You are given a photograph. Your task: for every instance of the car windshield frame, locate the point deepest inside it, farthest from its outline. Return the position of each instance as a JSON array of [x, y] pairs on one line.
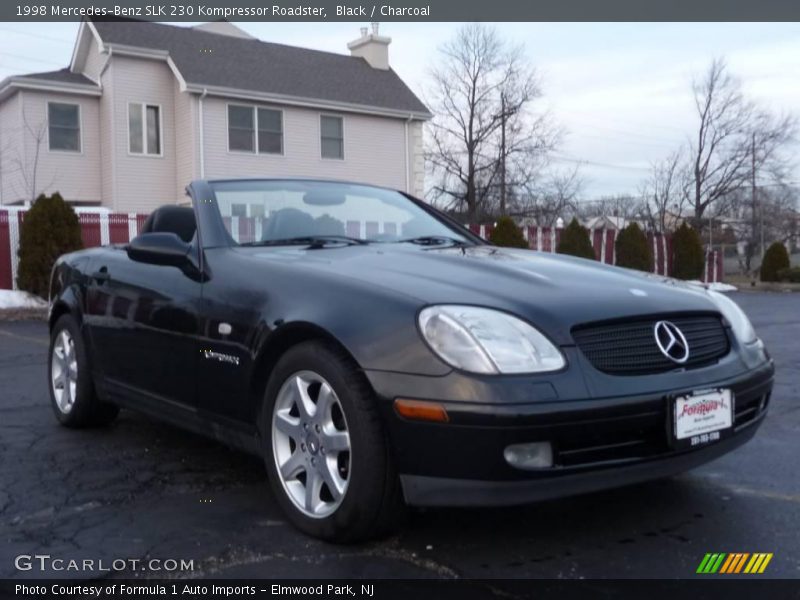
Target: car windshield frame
[[451, 233]]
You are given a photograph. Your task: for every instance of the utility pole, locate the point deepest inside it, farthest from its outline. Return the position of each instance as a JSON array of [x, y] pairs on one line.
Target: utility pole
[[503, 117], [753, 188]]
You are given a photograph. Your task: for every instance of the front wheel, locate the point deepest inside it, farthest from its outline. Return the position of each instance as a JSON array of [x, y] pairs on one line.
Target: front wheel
[[72, 392], [326, 453]]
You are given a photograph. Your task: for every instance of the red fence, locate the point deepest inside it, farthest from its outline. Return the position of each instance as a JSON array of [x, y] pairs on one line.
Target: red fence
[[546, 239], [99, 228]]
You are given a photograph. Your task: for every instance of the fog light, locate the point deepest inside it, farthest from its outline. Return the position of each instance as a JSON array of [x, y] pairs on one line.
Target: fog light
[[537, 455]]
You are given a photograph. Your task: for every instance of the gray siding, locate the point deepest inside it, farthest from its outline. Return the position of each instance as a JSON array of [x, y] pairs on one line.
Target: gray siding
[[107, 130], [10, 140], [94, 61], [186, 139], [76, 175], [142, 182], [379, 150], [416, 159], [374, 148]]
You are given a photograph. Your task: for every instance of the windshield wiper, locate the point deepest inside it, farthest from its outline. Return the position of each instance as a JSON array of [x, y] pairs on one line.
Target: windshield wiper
[[315, 241], [435, 240]]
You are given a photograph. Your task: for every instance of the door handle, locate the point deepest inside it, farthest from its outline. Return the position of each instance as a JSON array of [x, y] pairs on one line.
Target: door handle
[[101, 276]]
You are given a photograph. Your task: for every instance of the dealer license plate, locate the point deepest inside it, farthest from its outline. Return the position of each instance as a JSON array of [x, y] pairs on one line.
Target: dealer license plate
[[702, 417]]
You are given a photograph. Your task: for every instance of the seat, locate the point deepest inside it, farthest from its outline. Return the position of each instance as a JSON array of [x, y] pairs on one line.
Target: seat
[[172, 219]]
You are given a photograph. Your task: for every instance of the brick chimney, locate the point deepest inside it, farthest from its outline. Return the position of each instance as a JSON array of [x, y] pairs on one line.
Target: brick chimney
[[372, 47]]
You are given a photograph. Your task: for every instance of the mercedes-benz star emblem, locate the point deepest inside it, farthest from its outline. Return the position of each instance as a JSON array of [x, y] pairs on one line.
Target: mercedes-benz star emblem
[[671, 341]]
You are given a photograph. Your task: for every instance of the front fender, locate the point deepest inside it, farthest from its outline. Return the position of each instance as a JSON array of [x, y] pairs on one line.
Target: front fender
[[68, 281]]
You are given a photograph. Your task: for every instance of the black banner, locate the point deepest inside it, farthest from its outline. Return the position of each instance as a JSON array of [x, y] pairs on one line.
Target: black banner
[[732, 588], [404, 10]]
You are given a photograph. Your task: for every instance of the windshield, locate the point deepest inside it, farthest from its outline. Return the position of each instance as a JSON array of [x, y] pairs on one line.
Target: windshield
[[271, 211]]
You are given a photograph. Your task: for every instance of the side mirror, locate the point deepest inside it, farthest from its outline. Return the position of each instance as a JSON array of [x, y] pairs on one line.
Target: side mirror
[[159, 249]]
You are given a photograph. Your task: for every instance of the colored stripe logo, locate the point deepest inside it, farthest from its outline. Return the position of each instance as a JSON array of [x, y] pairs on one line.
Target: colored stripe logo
[[735, 562]]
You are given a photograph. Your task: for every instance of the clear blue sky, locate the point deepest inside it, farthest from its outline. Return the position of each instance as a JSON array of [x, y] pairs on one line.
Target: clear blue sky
[[621, 91]]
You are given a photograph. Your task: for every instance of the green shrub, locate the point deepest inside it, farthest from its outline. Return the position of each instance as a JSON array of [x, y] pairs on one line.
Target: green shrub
[[507, 234], [687, 254], [49, 229], [790, 275], [633, 251], [575, 241], [328, 225], [776, 258]]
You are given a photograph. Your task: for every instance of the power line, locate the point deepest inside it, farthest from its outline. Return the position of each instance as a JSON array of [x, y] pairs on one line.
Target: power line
[[579, 161], [29, 59], [649, 124], [627, 133], [622, 141], [37, 35]]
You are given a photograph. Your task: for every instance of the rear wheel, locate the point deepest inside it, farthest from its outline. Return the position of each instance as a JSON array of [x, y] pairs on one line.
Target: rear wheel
[[72, 392], [325, 450]]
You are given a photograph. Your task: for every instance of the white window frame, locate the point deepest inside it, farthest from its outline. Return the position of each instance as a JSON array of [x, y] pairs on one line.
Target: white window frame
[[144, 152], [254, 108], [319, 136], [80, 129]]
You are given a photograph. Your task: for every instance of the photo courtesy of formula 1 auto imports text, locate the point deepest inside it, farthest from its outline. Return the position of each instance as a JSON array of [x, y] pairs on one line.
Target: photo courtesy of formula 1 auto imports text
[[427, 299]]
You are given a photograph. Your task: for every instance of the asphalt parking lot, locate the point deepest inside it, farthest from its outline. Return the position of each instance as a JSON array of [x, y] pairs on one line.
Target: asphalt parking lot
[[142, 489]]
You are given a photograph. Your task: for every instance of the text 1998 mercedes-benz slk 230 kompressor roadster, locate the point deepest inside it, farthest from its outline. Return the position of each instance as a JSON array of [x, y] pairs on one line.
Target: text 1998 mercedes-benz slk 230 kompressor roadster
[[379, 355]]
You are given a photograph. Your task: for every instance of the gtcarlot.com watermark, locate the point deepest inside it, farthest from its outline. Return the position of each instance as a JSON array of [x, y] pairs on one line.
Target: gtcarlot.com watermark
[[45, 563]]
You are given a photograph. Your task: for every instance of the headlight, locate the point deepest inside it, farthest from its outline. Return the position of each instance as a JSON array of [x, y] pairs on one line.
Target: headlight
[[740, 324], [481, 340]]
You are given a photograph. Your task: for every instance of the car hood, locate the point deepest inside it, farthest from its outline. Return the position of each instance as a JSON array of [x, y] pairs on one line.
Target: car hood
[[554, 292]]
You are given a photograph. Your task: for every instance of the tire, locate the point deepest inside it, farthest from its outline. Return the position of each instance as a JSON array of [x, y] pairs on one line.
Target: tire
[[369, 502], [72, 394]]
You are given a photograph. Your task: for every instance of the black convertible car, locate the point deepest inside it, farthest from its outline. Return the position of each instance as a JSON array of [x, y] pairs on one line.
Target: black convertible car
[[377, 354]]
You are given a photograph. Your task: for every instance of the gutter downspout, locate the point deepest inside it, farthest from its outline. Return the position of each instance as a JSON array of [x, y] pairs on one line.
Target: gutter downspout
[[202, 142], [113, 126], [104, 67], [408, 153]]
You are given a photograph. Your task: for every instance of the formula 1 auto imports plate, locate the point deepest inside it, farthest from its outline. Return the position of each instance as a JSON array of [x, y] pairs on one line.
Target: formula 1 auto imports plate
[[702, 416]]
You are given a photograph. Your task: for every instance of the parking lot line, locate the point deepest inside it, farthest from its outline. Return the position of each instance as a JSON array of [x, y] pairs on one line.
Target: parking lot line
[[27, 338]]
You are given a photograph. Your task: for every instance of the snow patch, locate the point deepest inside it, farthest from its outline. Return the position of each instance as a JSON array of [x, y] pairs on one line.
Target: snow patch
[[722, 287], [716, 286], [16, 299]]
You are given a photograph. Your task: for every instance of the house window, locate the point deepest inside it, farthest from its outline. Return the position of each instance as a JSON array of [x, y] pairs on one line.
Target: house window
[[144, 129], [270, 131], [239, 210], [331, 137], [252, 129], [64, 126], [241, 128]]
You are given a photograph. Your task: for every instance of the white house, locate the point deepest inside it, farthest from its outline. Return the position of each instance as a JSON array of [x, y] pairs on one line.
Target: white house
[[144, 108]]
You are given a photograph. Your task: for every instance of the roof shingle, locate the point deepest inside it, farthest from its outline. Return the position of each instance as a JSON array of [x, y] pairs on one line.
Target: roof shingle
[[210, 59]]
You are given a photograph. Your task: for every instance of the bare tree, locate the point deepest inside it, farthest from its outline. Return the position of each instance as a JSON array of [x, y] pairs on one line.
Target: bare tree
[[483, 126], [665, 191], [24, 165], [734, 138], [775, 221], [623, 207], [551, 195]]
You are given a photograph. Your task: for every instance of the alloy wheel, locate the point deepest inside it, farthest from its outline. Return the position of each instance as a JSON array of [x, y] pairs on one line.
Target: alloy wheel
[[64, 371], [311, 444]]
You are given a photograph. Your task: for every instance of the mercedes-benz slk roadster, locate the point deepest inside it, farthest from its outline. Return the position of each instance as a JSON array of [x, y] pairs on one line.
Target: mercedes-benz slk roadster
[[378, 355]]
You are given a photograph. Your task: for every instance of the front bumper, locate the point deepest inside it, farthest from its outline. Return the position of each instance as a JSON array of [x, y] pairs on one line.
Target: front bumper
[[598, 443]]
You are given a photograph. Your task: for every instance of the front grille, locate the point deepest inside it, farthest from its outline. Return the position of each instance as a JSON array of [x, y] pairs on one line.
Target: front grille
[[629, 347]]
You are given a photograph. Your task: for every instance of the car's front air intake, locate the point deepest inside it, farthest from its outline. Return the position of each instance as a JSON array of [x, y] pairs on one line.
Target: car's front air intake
[[631, 347]]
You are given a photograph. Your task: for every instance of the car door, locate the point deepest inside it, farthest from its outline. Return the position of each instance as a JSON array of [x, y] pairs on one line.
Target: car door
[[232, 326], [142, 321]]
